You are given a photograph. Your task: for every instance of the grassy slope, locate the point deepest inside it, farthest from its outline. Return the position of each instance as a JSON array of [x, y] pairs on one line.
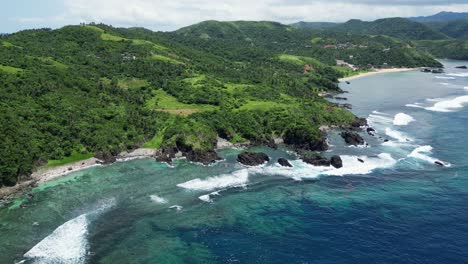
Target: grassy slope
[[9, 69], [70, 159]]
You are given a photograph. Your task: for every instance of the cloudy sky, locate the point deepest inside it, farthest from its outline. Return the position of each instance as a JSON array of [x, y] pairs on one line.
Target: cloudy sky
[[172, 14]]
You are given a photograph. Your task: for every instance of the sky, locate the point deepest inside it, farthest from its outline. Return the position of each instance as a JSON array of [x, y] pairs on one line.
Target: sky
[[167, 15]]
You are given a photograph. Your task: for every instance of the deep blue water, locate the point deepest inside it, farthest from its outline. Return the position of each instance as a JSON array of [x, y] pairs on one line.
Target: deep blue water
[[394, 208]]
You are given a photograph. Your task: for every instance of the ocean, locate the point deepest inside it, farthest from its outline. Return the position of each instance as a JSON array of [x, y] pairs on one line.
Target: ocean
[[396, 207]]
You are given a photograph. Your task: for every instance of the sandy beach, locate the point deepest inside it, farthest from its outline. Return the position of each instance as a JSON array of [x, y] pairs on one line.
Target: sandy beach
[[377, 71]]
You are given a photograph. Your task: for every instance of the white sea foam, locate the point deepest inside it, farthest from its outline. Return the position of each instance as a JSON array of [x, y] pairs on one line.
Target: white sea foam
[[236, 179], [414, 105], [397, 135], [67, 244], [379, 113], [445, 84], [466, 87], [205, 198], [377, 118], [423, 153], [158, 199], [445, 77], [176, 207], [458, 74], [449, 105], [351, 166], [402, 119]]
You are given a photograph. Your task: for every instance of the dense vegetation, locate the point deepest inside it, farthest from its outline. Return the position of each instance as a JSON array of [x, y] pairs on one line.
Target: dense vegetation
[[79, 91]]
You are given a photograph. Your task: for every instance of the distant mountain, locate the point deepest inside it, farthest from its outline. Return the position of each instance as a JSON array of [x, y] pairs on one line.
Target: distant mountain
[[395, 27], [440, 17], [231, 29], [456, 29], [314, 25]]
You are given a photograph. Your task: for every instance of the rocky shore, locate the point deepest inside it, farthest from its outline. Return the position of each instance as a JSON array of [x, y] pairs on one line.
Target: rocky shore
[[300, 143]]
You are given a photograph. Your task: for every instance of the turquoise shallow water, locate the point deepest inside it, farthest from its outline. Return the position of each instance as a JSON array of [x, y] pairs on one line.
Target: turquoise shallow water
[[394, 208]]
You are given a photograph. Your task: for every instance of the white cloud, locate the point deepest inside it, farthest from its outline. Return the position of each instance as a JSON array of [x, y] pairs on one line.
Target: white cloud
[[172, 14]]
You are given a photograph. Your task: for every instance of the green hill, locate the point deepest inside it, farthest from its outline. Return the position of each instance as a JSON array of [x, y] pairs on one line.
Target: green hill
[[314, 25], [79, 91], [401, 28], [456, 29]]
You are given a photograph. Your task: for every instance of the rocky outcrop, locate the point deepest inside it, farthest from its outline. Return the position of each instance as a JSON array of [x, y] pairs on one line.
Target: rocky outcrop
[[336, 161], [252, 158], [359, 122], [284, 162], [370, 131], [360, 160], [340, 98], [317, 160], [439, 163], [166, 154], [105, 158], [266, 142], [205, 157], [462, 67], [352, 138]]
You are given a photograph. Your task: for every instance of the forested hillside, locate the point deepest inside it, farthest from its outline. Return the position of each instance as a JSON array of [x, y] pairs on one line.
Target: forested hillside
[[401, 28], [87, 90]]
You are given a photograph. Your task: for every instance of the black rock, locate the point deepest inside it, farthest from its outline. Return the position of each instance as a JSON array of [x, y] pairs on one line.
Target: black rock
[[360, 122], [347, 82], [438, 71], [284, 162], [360, 160], [352, 138], [252, 158], [106, 157], [205, 157], [440, 163], [347, 106], [166, 154], [370, 131], [316, 160], [462, 67], [386, 140], [341, 98], [336, 161]]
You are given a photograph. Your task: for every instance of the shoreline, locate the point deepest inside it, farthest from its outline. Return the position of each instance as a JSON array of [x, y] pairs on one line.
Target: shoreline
[[378, 71], [45, 174]]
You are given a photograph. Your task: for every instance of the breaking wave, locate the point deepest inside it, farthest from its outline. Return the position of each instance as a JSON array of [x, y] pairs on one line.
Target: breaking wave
[[158, 199], [402, 119], [68, 244], [445, 78], [458, 74], [423, 152], [397, 135], [236, 179], [351, 166]]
